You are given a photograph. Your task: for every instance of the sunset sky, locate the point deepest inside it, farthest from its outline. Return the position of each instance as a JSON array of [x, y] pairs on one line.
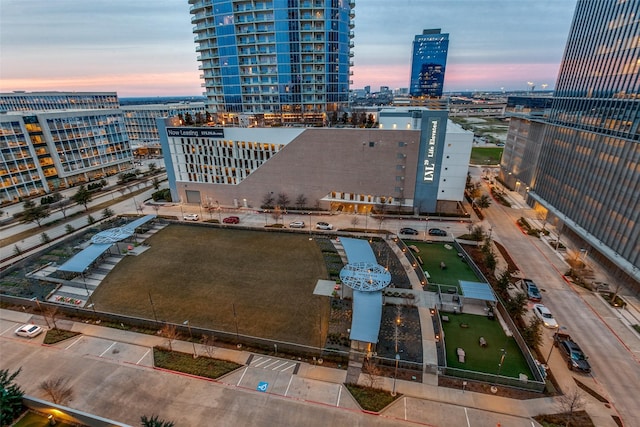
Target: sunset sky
[[146, 48]]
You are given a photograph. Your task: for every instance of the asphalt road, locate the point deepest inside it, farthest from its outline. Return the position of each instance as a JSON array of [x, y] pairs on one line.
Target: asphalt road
[[616, 371]]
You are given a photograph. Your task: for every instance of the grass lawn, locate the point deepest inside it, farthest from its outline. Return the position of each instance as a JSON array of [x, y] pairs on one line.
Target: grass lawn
[[199, 274], [433, 253], [202, 366], [486, 155], [482, 359]]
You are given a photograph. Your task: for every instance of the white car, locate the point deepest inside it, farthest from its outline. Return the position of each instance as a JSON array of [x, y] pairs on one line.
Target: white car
[[29, 330], [324, 226], [297, 224], [191, 217], [545, 315]]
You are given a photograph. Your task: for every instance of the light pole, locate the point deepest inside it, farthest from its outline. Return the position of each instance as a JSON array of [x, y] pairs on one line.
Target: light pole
[[395, 376], [219, 212], [195, 354], [153, 308], [504, 353], [561, 328]]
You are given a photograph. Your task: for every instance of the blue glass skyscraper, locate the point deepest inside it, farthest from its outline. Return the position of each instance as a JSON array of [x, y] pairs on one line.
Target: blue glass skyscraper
[[582, 159], [428, 64], [288, 59]]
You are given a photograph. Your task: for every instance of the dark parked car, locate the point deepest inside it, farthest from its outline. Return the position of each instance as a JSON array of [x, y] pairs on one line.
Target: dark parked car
[[533, 293], [571, 352], [231, 220], [407, 230], [437, 232]]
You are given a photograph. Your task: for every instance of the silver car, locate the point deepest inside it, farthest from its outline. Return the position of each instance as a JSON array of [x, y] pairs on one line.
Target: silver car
[[324, 226]]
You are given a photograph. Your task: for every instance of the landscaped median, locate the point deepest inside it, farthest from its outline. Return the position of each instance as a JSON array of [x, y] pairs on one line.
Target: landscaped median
[[202, 366]]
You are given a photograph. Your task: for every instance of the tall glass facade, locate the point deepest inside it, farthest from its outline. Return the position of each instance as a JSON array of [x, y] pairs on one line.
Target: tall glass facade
[[428, 64], [274, 57], [589, 166]]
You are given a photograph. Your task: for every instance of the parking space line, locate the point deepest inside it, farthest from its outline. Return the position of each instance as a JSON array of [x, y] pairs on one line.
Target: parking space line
[[271, 364], [73, 343], [467, 415], [242, 376], [143, 356], [9, 328], [280, 366], [288, 385], [108, 348], [293, 365], [263, 362], [339, 394]]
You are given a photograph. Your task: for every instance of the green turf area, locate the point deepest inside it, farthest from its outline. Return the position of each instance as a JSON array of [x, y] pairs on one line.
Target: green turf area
[[486, 155], [199, 274], [433, 253], [482, 359]]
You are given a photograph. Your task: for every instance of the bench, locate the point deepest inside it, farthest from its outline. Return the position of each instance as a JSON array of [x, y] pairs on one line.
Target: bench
[[482, 342], [461, 354]]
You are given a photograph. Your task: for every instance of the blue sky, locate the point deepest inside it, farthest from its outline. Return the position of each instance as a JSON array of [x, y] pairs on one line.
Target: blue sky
[[146, 48]]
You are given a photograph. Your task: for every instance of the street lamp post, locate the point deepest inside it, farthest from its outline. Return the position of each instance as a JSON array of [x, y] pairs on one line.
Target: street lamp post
[[219, 212], [153, 308], [195, 354], [561, 328], [395, 375], [504, 353]]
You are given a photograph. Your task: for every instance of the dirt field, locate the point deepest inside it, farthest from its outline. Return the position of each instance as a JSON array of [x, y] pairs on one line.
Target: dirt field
[[200, 274]]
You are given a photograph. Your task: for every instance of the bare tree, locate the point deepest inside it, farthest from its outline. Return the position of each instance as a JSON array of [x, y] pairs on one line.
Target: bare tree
[[58, 389], [50, 313], [283, 201], [267, 201], [372, 374], [276, 214], [64, 205], [170, 333], [570, 403], [355, 220], [208, 342], [301, 201]]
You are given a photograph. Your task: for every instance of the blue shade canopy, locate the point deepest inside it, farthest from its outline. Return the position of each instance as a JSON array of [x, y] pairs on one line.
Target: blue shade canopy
[[358, 250], [117, 234], [367, 313], [100, 243], [364, 276], [477, 290], [83, 259], [367, 278]]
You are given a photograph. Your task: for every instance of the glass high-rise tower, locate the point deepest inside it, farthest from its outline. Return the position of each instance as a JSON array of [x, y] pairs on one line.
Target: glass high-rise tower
[[428, 63], [588, 171], [281, 60]]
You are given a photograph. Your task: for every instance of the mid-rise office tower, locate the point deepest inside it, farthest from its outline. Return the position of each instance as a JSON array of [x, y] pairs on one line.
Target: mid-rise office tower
[[428, 63], [276, 60], [587, 172]]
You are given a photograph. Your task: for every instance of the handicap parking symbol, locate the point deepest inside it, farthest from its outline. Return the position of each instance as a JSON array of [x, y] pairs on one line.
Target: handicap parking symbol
[[262, 386]]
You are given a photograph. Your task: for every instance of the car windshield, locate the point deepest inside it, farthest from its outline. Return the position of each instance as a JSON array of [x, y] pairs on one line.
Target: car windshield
[[577, 355], [33, 328], [547, 315]]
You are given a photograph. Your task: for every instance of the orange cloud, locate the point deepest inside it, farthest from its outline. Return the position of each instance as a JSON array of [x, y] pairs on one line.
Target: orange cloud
[[184, 83]]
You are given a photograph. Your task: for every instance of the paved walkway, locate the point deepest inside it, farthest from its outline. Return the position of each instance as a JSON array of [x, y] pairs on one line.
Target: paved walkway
[[501, 408]]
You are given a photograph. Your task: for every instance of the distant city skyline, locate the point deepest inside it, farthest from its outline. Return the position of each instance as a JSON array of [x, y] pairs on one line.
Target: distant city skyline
[[145, 48]]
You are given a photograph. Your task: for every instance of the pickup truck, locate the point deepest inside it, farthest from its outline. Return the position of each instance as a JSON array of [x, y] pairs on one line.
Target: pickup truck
[[571, 352]]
